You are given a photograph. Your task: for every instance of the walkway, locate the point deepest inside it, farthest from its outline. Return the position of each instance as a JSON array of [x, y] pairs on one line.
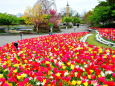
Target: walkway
[[10, 38], [75, 29]]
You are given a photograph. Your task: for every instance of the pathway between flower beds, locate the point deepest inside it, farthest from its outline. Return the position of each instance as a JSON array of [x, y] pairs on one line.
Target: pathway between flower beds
[[10, 38]]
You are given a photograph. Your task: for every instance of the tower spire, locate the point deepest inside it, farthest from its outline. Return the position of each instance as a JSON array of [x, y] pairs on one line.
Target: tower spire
[[67, 3], [67, 10]]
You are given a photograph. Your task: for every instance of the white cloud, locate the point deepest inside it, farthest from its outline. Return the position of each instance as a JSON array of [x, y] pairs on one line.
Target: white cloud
[[15, 6], [18, 6]]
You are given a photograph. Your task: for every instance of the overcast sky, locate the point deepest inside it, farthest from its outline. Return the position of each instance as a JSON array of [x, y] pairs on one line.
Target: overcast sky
[[18, 6]]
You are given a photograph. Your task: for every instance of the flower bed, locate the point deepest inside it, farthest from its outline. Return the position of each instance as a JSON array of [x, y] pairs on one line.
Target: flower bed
[[107, 33], [56, 60]]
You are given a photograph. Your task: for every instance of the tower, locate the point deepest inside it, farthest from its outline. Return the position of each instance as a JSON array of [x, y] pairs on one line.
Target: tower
[[67, 10], [46, 5]]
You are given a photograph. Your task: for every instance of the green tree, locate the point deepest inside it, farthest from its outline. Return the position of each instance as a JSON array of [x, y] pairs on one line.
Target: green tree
[[67, 20], [75, 20], [85, 17], [8, 19], [100, 15], [21, 20], [103, 14], [102, 3], [111, 1], [41, 19]]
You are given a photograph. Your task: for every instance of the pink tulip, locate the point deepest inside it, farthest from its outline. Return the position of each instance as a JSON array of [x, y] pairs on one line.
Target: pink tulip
[[113, 74]]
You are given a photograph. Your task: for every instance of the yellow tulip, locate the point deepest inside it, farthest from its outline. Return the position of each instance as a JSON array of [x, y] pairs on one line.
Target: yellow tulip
[[44, 80], [90, 49], [58, 74], [16, 65], [4, 63], [76, 57], [64, 67], [47, 62], [25, 61], [72, 67], [100, 50], [89, 76], [63, 64], [85, 84], [105, 56], [15, 71], [104, 85], [91, 71], [74, 82], [18, 77], [1, 76], [23, 75], [52, 58], [68, 63], [113, 56], [79, 82], [107, 50], [8, 57], [99, 75]]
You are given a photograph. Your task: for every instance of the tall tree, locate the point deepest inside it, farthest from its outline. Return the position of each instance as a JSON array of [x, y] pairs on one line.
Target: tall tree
[[39, 18], [75, 20], [34, 16], [103, 14], [100, 14], [67, 20], [111, 1], [8, 19], [86, 17]]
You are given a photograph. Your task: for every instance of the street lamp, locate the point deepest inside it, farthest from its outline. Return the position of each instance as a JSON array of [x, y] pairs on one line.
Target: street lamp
[[21, 35]]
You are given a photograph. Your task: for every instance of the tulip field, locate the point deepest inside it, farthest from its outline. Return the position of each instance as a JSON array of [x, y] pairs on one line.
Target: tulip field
[[56, 60], [107, 33]]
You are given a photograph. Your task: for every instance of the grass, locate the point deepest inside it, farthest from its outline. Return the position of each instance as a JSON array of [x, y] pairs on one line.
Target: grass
[[92, 40]]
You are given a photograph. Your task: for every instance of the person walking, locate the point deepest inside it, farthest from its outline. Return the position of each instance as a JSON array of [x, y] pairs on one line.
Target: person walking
[[74, 28], [50, 31], [21, 35], [77, 25]]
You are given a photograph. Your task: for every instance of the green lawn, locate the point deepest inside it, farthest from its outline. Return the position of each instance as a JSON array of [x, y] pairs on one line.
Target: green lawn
[[91, 40]]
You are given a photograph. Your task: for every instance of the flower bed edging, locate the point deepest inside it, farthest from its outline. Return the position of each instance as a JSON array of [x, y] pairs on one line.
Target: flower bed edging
[[100, 39], [83, 39]]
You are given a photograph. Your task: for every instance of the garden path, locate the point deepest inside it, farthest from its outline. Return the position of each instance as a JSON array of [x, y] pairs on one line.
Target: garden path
[[82, 28], [10, 38]]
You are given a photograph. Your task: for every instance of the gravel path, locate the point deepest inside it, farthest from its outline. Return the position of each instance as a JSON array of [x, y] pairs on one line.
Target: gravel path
[[10, 38]]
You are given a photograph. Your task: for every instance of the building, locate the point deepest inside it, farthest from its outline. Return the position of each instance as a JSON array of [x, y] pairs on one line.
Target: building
[[67, 10]]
